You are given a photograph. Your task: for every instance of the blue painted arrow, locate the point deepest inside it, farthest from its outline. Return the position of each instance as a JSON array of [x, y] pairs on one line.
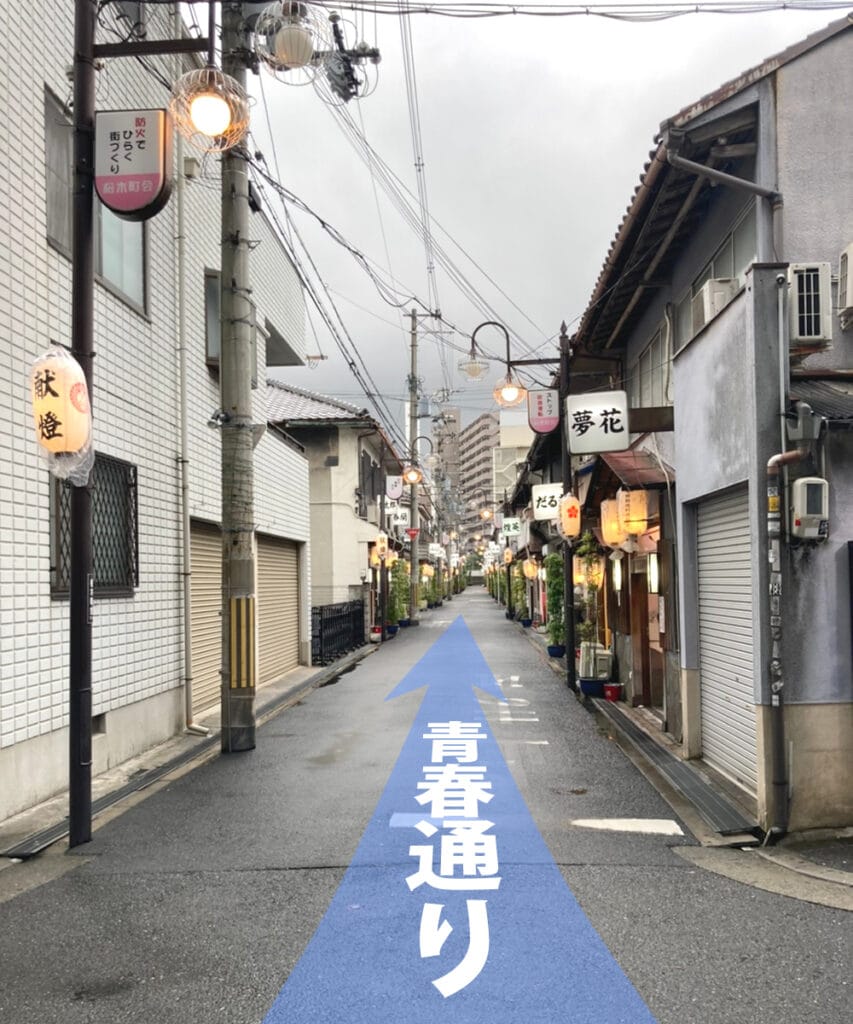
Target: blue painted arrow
[[507, 942]]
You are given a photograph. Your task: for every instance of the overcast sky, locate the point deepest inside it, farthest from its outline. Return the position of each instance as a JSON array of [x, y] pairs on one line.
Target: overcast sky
[[534, 133]]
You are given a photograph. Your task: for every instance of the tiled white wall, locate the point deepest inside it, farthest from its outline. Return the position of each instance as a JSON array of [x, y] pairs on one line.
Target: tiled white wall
[[137, 642]]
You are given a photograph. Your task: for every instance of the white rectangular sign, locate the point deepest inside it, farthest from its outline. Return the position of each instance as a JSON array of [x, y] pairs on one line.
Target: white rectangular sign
[[397, 516], [545, 499], [597, 422], [511, 527]]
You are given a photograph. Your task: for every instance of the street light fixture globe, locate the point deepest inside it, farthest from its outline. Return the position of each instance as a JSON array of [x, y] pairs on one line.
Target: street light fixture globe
[[509, 392], [472, 367], [412, 475], [210, 109], [293, 41]]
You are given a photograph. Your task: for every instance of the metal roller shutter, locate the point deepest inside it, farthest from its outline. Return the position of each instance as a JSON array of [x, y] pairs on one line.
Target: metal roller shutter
[[278, 608], [206, 610], [726, 638]]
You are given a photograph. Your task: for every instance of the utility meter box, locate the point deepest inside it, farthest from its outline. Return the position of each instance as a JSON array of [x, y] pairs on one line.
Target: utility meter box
[[810, 508]]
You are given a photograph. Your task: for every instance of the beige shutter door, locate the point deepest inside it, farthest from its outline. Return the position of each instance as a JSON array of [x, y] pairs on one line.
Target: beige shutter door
[[206, 607], [278, 608]]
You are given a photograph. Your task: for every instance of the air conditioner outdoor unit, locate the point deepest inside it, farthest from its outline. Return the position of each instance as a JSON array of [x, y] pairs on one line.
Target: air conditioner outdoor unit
[[810, 303], [845, 287], [711, 299]]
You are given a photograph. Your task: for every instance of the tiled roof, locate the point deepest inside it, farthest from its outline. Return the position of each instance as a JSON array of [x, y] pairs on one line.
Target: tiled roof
[[287, 403]]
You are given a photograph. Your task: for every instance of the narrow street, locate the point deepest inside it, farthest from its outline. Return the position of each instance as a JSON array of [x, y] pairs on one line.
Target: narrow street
[[549, 882]]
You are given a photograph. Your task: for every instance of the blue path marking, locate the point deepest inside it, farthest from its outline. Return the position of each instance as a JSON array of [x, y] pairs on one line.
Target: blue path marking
[[523, 951]]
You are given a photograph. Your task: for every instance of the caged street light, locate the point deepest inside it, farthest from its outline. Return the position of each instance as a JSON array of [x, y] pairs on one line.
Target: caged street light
[[195, 101]]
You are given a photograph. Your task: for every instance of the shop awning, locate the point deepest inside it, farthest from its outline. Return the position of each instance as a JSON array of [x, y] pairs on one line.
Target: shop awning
[[639, 468]]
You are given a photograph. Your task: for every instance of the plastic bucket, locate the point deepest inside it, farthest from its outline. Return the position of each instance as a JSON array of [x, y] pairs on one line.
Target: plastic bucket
[[613, 691]]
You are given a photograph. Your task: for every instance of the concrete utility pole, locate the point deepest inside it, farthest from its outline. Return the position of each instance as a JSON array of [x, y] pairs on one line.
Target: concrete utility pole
[[236, 369], [414, 515]]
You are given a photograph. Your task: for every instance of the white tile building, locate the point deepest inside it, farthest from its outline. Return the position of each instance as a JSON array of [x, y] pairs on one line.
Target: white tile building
[[145, 289]]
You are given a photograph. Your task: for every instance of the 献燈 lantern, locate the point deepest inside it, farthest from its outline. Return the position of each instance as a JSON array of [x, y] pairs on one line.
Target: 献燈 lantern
[[63, 419]]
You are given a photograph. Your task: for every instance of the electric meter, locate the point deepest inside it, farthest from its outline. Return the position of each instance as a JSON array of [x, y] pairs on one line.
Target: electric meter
[[810, 508]]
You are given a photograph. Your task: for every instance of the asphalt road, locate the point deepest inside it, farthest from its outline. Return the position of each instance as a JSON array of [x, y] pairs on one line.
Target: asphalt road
[[197, 903]]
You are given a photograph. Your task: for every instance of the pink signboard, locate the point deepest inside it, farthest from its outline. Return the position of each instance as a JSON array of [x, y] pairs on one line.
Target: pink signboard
[[133, 161], [543, 410]]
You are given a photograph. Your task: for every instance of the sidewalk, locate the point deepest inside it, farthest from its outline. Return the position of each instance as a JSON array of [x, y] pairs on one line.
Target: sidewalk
[[825, 855], [32, 831]]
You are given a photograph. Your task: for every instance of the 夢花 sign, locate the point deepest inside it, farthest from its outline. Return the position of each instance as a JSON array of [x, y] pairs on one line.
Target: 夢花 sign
[[597, 422]]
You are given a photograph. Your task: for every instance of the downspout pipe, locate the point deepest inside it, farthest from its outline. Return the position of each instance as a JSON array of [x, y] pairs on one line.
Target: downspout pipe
[[186, 554], [779, 767], [722, 178], [672, 142]]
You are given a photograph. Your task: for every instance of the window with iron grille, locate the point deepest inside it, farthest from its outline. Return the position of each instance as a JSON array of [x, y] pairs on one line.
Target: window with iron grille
[[115, 554]]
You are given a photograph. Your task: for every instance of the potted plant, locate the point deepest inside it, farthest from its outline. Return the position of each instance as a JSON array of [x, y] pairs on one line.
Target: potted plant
[[556, 625], [400, 590], [586, 632]]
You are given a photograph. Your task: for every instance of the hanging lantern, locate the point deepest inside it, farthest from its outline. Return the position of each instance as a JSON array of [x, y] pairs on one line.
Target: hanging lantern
[[391, 559], [60, 396], [569, 516], [613, 533], [594, 571], [62, 415], [633, 509], [530, 568], [375, 560], [507, 556], [381, 545], [587, 571]]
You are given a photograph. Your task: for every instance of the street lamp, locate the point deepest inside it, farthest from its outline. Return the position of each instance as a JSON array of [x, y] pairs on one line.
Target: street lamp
[[86, 58]]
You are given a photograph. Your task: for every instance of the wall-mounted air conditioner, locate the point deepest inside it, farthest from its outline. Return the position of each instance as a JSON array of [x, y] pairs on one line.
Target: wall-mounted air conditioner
[[810, 303], [711, 299], [845, 287]]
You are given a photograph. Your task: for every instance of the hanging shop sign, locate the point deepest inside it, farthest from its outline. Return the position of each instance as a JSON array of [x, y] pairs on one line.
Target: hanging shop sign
[[597, 422], [543, 410], [397, 516], [545, 499], [394, 487], [133, 161], [511, 526]]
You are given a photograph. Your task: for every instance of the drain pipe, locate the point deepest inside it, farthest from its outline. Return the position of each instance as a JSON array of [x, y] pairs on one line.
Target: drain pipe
[[186, 554], [672, 141]]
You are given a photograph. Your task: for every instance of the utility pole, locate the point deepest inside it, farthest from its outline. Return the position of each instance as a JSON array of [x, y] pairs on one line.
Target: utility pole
[[568, 577], [236, 369], [414, 514]]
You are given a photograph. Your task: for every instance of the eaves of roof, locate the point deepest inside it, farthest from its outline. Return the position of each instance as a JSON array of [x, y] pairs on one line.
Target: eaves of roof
[[669, 202]]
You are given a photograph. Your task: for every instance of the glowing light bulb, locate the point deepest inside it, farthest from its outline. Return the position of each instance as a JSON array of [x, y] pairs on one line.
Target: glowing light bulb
[[210, 114]]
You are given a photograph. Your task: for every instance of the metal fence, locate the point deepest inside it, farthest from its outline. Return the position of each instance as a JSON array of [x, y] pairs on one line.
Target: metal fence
[[335, 630]]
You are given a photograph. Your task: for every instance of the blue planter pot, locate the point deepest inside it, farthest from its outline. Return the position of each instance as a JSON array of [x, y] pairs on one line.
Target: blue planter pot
[[556, 650], [391, 630]]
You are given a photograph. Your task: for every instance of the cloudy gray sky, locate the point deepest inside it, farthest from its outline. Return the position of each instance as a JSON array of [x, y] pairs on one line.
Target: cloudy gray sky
[[533, 132]]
